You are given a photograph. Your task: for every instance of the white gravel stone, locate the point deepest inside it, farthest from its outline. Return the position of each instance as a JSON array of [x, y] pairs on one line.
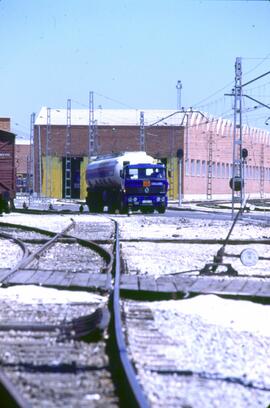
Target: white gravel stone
[[169, 258]]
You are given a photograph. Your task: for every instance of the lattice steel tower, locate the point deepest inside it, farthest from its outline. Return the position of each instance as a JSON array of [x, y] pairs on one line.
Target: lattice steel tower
[[31, 175], [142, 134], [238, 163], [67, 191], [92, 127], [48, 179]]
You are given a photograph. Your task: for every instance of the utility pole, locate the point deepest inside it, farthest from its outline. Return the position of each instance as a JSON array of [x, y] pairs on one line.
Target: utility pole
[[237, 182], [262, 172], [32, 161], [179, 89], [92, 127], [239, 154], [68, 153], [48, 154], [39, 163], [210, 162], [142, 134]]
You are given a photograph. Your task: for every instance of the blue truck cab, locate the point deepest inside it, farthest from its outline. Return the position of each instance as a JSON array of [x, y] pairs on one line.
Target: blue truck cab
[[145, 187]]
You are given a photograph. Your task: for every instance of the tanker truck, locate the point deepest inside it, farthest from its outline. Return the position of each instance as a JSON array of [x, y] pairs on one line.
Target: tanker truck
[[126, 181]]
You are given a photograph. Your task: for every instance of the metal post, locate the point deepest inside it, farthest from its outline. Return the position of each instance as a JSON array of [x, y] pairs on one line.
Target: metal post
[[180, 183], [179, 88], [32, 172], [187, 142], [68, 152], [92, 126], [142, 135], [237, 170], [39, 162], [48, 154]]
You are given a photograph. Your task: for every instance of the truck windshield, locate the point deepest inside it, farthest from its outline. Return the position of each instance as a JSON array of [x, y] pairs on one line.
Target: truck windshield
[[145, 173]]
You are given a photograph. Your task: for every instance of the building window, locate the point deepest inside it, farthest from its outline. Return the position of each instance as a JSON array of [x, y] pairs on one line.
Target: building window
[[246, 172], [214, 169], [198, 168], [223, 170], [192, 167], [227, 170], [218, 170], [203, 168], [187, 167]]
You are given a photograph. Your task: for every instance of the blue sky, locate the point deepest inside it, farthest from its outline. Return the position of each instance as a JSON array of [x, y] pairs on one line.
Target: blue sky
[[131, 54]]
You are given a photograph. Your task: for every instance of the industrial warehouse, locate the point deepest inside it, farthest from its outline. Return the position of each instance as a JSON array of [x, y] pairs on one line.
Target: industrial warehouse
[[196, 147]]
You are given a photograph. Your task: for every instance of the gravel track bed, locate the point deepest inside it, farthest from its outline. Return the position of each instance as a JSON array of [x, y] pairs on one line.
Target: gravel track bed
[[10, 253], [179, 227], [165, 258], [178, 356], [49, 370], [72, 257], [93, 230]]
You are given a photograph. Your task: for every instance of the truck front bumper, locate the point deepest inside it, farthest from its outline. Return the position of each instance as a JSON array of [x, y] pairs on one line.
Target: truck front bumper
[[137, 202]]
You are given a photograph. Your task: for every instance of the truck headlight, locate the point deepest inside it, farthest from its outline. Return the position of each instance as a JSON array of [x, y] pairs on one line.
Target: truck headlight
[[158, 199], [130, 199]]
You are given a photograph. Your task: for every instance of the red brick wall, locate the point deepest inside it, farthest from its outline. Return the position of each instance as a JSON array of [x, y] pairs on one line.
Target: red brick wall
[[196, 147], [160, 142], [22, 152], [164, 141]]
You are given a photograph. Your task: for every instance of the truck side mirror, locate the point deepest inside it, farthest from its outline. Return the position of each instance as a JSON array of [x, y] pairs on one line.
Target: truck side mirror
[[121, 174]]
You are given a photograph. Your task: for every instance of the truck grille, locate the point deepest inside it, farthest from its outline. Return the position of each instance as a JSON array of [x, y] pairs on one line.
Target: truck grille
[[144, 190]]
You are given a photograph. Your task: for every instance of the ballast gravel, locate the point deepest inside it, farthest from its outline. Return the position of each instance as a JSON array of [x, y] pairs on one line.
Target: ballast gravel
[[201, 352], [165, 258]]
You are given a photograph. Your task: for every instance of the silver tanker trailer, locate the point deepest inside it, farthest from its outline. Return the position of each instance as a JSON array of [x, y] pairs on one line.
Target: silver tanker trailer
[[123, 181]]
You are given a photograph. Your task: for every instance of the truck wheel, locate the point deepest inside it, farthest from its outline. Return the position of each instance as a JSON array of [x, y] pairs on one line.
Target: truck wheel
[[2, 205], [124, 210], [161, 210], [7, 207], [147, 210]]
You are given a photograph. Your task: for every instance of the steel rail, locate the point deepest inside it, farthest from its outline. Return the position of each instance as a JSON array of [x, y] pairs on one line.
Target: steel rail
[[17, 241], [121, 345], [74, 329], [95, 245], [13, 392], [25, 261]]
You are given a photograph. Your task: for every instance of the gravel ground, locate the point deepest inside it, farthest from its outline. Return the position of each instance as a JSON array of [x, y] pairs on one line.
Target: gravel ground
[[51, 371], [101, 227], [224, 344], [201, 352], [166, 258]]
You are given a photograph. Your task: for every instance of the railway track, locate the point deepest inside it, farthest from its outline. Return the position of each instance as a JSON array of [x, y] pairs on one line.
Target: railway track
[[44, 361], [138, 357]]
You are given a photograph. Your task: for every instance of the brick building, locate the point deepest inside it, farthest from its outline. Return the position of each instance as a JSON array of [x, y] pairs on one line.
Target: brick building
[[22, 167], [206, 142]]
